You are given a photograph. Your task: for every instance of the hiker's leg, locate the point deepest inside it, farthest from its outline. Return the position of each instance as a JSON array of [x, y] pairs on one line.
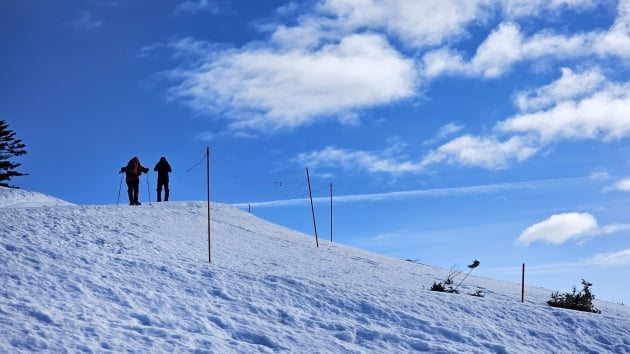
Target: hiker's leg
[[130, 191], [136, 185]]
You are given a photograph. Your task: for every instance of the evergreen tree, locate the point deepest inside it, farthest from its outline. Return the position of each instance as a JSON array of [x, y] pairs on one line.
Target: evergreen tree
[[9, 147]]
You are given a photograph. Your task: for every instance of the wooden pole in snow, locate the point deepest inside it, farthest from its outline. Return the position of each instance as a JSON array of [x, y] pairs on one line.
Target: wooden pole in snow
[[310, 193], [523, 284], [208, 182], [331, 214]]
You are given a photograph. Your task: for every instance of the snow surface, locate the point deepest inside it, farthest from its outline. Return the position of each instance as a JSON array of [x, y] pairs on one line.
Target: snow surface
[[20, 198], [111, 279]]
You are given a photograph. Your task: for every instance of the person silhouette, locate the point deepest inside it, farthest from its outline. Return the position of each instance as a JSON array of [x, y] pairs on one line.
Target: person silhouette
[[133, 170], [162, 168]]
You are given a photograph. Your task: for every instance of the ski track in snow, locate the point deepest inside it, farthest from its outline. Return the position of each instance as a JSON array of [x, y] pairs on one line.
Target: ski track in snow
[[137, 279]]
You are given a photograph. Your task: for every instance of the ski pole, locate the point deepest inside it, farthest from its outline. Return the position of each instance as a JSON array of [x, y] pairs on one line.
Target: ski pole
[[119, 187], [148, 188]]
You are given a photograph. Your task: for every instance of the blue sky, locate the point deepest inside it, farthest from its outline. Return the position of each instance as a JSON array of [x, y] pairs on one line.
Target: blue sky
[[450, 130]]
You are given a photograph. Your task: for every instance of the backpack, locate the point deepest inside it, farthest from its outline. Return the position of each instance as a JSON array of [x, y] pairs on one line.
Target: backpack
[[132, 166]]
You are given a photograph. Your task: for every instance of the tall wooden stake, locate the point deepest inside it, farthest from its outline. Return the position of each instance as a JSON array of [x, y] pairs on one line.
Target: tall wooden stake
[[523, 284], [310, 193], [331, 214], [208, 181]]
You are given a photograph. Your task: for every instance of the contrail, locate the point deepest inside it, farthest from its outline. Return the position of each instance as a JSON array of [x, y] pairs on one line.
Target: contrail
[[418, 193]]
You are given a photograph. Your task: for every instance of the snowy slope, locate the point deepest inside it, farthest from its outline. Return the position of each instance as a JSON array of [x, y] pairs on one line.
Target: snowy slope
[[118, 279], [20, 198]]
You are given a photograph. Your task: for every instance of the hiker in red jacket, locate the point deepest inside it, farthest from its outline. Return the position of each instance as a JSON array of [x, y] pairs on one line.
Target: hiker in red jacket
[[133, 170]]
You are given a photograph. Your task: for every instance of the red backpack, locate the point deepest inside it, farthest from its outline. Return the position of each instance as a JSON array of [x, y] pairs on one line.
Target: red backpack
[[132, 166]]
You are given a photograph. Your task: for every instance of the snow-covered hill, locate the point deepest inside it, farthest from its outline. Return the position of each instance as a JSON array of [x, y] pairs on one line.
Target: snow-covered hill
[[137, 279], [20, 198]]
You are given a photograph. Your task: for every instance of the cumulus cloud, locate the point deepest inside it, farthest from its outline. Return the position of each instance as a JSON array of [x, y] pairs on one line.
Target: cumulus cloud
[[507, 45], [338, 57], [486, 152], [417, 23], [578, 105], [569, 86], [621, 185], [560, 228], [499, 51], [427, 23], [262, 89], [601, 115]]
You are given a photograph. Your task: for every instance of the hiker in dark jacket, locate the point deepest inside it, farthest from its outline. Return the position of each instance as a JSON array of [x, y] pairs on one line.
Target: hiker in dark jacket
[[133, 170], [162, 168]]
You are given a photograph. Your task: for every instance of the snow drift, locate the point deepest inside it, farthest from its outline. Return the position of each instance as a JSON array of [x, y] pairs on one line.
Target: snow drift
[[115, 279]]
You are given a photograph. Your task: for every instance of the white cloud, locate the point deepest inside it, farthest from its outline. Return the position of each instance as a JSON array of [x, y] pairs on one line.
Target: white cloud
[[580, 105], [507, 45], [602, 115], [617, 40], [333, 62], [521, 8], [417, 23], [440, 62], [569, 86], [433, 22], [621, 185], [260, 88], [289, 9], [610, 229], [620, 258], [448, 130], [499, 51], [559, 228], [466, 150], [486, 152], [307, 36], [191, 50], [372, 162]]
